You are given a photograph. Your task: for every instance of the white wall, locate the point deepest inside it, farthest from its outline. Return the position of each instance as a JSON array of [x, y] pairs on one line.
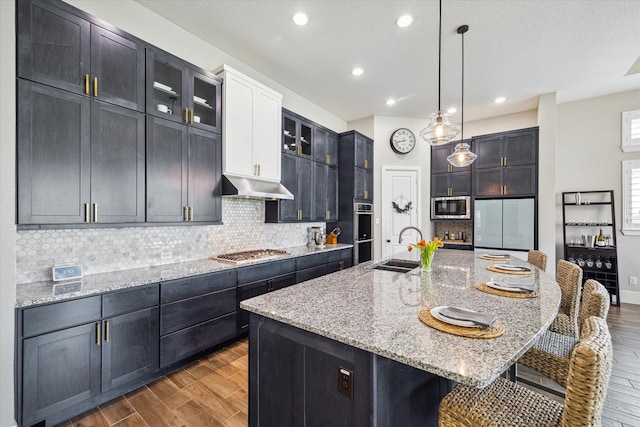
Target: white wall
[[588, 157], [525, 119], [135, 19], [7, 210]]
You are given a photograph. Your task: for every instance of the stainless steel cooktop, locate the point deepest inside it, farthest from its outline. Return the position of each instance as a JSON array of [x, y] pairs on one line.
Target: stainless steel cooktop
[[247, 256]]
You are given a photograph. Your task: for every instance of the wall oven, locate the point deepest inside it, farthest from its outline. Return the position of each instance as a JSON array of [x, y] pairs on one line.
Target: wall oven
[[458, 207], [362, 232]]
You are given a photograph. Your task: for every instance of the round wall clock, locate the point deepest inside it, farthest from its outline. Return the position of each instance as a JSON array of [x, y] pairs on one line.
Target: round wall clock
[[402, 141]]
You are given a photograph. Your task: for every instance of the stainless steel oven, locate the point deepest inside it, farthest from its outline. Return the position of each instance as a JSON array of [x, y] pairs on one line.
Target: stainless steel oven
[[362, 232], [458, 207]]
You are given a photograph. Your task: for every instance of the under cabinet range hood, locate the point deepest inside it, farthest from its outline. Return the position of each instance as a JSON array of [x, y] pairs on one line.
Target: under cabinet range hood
[[250, 188]]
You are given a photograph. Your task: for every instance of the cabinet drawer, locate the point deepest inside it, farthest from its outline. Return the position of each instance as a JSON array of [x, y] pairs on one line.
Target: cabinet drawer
[[257, 272], [332, 267], [46, 318], [311, 273], [179, 345], [181, 314], [192, 286], [259, 288], [311, 260], [129, 300], [338, 255]]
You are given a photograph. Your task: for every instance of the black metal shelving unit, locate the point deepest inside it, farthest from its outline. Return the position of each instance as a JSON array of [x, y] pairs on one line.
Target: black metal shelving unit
[[585, 213]]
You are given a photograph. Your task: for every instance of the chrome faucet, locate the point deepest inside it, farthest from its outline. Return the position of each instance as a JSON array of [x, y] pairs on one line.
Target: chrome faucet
[[407, 228]]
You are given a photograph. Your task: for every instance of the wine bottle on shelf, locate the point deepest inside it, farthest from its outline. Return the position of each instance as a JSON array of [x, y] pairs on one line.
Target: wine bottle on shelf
[[600, 240]]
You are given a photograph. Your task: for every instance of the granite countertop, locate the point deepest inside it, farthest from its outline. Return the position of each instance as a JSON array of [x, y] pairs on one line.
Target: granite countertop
[[48, 291], [377, 311]]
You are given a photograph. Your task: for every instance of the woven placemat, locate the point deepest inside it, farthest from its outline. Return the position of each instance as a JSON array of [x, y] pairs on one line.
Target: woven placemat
[[488, 289], [517, 273], [490, 258], [493, 332]]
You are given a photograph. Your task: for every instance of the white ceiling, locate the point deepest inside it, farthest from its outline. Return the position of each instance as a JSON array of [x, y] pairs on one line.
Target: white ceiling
[[518, 49]]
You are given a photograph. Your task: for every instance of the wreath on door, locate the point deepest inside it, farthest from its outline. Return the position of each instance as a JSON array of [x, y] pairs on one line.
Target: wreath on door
[[396, 204]]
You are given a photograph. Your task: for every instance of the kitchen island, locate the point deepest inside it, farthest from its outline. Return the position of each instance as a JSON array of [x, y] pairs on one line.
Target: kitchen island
[[348, 348]]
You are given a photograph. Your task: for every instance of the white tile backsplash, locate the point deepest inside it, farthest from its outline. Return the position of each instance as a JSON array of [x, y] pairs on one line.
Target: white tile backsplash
[[101, 250]]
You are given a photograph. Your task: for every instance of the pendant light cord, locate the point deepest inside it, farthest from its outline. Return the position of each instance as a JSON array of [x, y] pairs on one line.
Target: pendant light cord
[[439, 52], [461, 30]]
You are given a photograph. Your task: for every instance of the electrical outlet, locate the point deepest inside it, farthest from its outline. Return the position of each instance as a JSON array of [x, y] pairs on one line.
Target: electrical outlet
[[633, 280], [166, 255], [345, 382]]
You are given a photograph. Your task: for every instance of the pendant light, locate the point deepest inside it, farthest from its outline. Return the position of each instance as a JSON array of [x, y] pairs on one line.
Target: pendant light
[[461, 155], [440, 130]]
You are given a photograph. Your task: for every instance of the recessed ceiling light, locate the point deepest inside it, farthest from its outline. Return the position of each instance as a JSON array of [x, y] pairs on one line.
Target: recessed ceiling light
[[300, 18], [500, 100], [391, 101], [452, 110], [404, 21], [357, 71]]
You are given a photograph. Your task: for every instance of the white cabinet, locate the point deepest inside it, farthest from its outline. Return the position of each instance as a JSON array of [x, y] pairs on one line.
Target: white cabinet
[[251, 127]]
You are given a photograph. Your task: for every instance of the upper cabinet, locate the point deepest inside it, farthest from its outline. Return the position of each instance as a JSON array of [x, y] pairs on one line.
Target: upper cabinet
[[176, 91], [325, 148], [506, 163], [64, 50], [447, 180], [356, 170], [297, 135], [363, 151], [252, 127]]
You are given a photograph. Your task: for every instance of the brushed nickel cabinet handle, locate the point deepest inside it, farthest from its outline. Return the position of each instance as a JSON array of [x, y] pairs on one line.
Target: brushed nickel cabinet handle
[[107, 331], [95, 212], [190, 213], [186, 213], [98, 330], [95, 86], [87, 213]]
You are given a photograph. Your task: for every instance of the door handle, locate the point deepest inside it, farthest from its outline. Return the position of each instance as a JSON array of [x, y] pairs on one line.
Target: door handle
[[86, 83], [107, 331], [95, 212], [87, 213], [95, 86], [186, 115], [388, 241], [186, 213], [98, 330]]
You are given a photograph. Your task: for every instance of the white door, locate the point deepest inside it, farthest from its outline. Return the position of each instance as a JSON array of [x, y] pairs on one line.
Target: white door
[[400, 185]]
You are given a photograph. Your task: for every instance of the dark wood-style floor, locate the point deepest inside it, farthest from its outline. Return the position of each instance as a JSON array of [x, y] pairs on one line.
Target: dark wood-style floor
[[213, 391]]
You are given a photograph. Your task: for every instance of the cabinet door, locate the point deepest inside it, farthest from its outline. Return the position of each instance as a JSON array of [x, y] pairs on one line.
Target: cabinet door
[[54, 46], [363, 151], [205, 175], [60, 369], [306, 139], [289, 208], [166, 170], [117, 164], [332, 149], [238, 130], [332, 194], [363, 185], [489, 150], [439, 162], [53, 155], [520, 180], [304, 174], [205, 101], [460, 183], [260, 288], [440, 185], [521, 147], [320, 144], [289, 134], [166, 86], [488, 181], [267, 119], [131, 347], [118, 65], [319, 186]]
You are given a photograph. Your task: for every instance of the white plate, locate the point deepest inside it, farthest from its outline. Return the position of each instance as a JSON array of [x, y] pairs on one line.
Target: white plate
[[199, 100], [496, 256], [511, 268], [161, 86], [494, 285], [435, 312]]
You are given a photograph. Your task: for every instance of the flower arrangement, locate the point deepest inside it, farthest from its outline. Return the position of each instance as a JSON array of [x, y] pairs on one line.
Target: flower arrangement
[[427, 250]]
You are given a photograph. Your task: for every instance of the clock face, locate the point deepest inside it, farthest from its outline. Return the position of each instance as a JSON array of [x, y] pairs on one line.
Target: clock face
[[402, 141]]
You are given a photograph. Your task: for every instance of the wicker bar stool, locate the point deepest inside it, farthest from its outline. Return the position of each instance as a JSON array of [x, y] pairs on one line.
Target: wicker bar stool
[[537, 258], [569, 277], [504, 403], [551, 354]]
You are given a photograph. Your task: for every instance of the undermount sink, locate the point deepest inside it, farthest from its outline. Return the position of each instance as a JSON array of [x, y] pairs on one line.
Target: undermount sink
[[396, 265]]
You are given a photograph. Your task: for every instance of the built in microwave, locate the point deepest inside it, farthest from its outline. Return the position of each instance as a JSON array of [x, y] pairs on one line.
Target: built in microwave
[[458, 207]]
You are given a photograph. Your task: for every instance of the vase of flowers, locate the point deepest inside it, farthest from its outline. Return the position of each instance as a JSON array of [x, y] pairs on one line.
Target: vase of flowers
[[427, 250]]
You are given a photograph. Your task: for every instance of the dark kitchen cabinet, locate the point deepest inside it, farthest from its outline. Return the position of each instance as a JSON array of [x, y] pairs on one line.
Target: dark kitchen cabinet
[[439, 162], [79, 161], [297, 177], [451, 184], [184, 169], [363, 151], [65, 50], [506, 163], [355, 170], [106, 342], [363, 184], [297, 135], [339, 260], [311, 266], [325, 146], [325, 189], [196, 314], [255, 280]]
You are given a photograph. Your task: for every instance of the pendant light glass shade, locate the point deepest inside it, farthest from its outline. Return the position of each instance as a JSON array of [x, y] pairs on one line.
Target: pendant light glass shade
[[440, 130], [462, 156]]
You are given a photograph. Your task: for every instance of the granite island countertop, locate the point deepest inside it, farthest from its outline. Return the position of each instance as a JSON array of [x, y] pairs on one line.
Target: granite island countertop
[[29, 294], [377, 311]]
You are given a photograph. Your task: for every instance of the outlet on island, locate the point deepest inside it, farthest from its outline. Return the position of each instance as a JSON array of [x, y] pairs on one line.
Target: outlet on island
[[345, 382], [166, 255]]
